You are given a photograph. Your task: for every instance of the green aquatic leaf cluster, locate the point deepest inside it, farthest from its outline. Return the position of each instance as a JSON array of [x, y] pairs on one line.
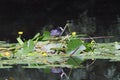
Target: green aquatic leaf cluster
[[45, 51], [50, 51]]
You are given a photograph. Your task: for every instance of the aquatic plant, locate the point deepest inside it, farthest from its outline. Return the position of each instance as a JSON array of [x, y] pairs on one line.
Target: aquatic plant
[[53, 49]]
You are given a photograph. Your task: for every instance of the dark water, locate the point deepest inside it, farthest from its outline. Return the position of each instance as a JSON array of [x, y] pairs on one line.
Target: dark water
[[99, 70]]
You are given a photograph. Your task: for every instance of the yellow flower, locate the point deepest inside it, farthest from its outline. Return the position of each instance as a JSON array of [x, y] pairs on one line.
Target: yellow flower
[[7, 54], [44, 54], [20, 32], [73, 33]]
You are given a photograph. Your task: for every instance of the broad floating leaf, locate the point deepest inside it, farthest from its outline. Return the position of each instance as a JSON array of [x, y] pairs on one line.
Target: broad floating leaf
[[73, 44]]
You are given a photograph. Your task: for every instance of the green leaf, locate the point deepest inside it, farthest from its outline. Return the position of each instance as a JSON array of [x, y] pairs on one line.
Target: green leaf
[[73, 45], [20, 41], [36, 36], [46, 35], [89, 47], [27, 47]]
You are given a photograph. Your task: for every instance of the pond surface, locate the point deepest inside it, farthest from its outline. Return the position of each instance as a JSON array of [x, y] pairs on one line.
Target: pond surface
[[97, 70]]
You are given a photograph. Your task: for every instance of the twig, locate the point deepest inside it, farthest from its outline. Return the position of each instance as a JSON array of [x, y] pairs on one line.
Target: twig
[[63, 30], [74, 52], [100, 37], [64, 74]]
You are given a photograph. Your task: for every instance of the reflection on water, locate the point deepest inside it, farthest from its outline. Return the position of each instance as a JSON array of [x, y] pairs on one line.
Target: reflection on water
[[99, 70]]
